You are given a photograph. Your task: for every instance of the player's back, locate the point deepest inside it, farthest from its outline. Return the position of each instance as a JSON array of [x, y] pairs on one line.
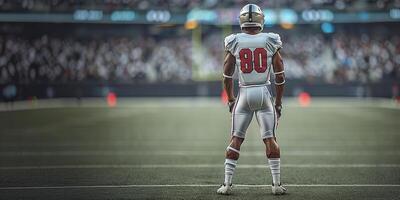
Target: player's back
[[253, 55]]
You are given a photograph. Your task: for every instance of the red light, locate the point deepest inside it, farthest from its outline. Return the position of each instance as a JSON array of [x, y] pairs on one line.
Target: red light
[[304, 99], [224, 97], [111, 99]]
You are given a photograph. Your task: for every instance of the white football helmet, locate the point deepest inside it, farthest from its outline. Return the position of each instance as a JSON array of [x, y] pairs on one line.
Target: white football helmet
[[251, 16]]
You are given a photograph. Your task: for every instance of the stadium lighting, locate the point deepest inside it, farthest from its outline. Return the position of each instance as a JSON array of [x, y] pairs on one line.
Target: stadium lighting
[[288, 16], [394, 13], [363, 16], [202, 15], [317, 15], [287, 25], [158, 16], [190, 25], [123, 15], [327, 27], [88, 15], [270, 17]]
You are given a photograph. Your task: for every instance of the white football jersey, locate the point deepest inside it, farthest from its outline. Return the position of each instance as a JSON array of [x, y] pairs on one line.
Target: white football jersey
[[253, 55]]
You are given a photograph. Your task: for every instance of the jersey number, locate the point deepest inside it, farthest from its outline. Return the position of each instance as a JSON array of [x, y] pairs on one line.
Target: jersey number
[[246, 60]]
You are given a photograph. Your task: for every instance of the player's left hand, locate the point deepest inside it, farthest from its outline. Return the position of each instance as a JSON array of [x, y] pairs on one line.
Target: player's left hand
[[231, 104], [278, 109]]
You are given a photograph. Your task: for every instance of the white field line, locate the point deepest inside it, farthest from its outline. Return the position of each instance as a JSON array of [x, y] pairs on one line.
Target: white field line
[[205, 143], [189, 185], [318, 102], [196, 153], [152, 166]]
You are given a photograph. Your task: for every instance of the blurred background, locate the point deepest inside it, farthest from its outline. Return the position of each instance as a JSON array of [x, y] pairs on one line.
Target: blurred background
[[131, 48], [75, 128]]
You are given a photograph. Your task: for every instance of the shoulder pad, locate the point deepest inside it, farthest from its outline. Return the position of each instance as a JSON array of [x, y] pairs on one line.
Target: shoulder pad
[[275, 40], [229, 42]]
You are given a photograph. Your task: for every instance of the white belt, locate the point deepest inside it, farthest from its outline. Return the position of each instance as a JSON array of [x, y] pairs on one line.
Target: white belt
[[255, 85]]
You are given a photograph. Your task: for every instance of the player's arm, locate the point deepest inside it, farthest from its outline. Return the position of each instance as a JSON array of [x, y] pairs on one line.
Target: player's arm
[[279, 72], [229, 69]]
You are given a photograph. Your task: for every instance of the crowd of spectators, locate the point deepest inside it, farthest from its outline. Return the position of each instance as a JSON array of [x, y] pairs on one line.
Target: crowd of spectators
[[117, 59], [64, 5], [341, 58], [366, 58]]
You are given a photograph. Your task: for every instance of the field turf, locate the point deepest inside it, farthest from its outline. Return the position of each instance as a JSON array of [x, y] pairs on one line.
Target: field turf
[[174, 149]]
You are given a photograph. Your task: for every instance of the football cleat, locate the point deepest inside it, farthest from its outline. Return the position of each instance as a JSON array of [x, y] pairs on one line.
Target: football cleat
[[225, 189], [278, 189]]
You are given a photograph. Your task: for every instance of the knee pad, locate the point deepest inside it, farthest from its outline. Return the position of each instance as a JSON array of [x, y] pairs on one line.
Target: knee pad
[[229, 148]]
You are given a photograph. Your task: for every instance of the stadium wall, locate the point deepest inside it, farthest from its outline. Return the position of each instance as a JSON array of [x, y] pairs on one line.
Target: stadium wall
[[190, 89]]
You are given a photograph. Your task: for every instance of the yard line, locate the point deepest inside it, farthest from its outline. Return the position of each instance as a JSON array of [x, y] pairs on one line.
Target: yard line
[[196, 153], [243, 166], [190, 143], [189, 102], [189, 185]]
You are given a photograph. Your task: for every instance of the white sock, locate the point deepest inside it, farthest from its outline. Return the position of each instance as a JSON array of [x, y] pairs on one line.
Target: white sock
[[230, 166], [275, 166]]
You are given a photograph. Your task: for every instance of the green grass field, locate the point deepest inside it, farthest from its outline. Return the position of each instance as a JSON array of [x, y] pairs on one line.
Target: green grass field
[[174, 149]]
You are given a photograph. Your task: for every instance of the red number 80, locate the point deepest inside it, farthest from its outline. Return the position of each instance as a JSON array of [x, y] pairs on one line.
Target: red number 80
[[246, 60]]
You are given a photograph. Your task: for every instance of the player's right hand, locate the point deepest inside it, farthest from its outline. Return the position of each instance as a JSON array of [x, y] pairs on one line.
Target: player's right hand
[[278, 109], [231, 104]]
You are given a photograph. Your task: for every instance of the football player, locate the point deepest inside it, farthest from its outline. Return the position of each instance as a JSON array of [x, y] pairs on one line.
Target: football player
[[256, 56]]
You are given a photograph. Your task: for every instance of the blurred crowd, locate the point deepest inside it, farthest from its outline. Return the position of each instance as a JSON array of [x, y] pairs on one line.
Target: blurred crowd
[[343, 58], [338, 59], [117, 59], [365, 58], [64, 5]]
